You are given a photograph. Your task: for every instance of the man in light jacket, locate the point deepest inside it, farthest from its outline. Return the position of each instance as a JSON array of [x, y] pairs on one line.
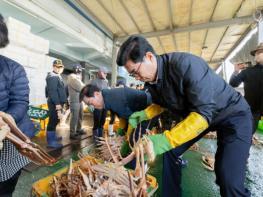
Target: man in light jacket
[[76, 108]]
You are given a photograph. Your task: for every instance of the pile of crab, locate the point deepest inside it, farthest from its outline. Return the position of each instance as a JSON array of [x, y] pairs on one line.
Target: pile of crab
[[91, 178], [108, 148]]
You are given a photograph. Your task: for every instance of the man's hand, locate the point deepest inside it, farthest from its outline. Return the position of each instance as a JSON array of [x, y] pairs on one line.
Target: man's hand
[[91, 108], [58, 107], [149, 113], [136, 118], [4, 130], [60, 115], [239, 67]]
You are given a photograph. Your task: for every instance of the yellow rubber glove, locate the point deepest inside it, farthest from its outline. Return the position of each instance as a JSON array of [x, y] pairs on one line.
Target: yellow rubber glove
[[128, 133], [186, 130], [153, 110], [122, 123], [149, 113]]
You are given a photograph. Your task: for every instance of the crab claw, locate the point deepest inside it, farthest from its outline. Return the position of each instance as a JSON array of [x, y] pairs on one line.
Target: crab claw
[[34, 153], [24, 145], [148, 149]]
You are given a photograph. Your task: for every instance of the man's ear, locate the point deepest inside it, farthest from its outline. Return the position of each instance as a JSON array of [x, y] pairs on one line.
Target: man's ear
[[149, 55], [97, 94]]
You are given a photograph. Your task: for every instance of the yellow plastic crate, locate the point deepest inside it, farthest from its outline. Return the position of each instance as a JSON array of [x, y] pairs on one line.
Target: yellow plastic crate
[[41, 187]]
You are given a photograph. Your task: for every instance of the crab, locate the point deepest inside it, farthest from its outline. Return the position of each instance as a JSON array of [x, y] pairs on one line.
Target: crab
[[24, 145], [208, 162]]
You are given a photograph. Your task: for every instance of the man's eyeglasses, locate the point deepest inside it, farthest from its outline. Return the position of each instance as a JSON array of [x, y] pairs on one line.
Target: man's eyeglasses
[[135, 73]]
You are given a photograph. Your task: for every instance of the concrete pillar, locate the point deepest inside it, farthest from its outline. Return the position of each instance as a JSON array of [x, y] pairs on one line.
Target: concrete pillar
[[260, 31], [84, 77], [114, 68], [224, 71]]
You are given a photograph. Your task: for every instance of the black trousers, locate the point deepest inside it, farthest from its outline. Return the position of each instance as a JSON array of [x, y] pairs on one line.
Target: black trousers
[[53, 117], [234, 135], [7, 187], [112, 117], [99, 117]]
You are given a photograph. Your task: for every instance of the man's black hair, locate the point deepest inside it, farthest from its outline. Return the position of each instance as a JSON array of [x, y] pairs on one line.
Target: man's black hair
[[3, 33], [88, 91], [134, 49], [121, 82]]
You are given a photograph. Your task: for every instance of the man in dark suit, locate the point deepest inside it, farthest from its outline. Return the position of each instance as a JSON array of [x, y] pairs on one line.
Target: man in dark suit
[[120, 101], [56, 98], [184, 84], [252, 77]]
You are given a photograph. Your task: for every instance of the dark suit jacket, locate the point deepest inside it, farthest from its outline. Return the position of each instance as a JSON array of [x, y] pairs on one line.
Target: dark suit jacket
[[55, 89]]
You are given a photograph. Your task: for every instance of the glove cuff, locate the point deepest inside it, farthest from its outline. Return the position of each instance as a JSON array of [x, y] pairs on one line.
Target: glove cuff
[[152, 111], [192, 126]]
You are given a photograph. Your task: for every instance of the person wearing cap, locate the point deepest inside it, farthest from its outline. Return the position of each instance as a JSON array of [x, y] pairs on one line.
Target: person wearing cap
[[76, 108], [184, 84], [56, 98], [252, 77], [14, 93], [99, 115]]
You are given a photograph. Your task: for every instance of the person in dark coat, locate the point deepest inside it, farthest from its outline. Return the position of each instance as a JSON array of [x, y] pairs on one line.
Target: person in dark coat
[[121, 83], [56, 98], [253, 83], [120, 101], [14, 93], [185, 84]]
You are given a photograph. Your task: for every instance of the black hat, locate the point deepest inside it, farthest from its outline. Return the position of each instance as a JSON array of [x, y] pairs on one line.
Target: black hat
[[77, 68], [121, 82], [259, 48]]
